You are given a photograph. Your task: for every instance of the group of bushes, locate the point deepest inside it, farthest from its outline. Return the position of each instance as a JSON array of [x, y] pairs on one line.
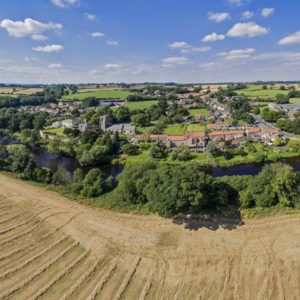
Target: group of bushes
[[169, 189]]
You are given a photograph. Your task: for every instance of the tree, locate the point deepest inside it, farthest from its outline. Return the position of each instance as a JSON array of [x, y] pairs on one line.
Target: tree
[[130, 149], [19, 157], [211, 147], [140, 120], [93, 183], [282, 99], [256, 111], [152, 152], [61, 177], [276, 141]]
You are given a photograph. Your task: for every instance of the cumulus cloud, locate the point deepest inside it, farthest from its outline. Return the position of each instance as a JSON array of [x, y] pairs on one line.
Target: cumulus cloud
[[236, 2], [237, 54], [28, 27], [177, 45], [112, 43], [177, 60], [65, 3], [91, 17], [112, 66], [48, 48], [97, 34], [246, 15], [55, 66], [267, 11], [195, 49], [290, 39], [31, 59], [250, 29], [213, 37], [218, 17]]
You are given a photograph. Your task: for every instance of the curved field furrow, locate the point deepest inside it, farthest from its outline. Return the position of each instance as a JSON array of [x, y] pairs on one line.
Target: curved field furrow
[[102, 282], [22, 223], [59, 276], [13, 252], [80, 281], [25, 282], [30, 260], [28, 231], [127, 278], [139, 257]]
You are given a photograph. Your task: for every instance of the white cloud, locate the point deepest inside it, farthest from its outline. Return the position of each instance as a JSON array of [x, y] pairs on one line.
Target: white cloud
[[91, 17], [195, 49], [237, 54], [177, 45], [27, 27], [31, 59], [39, 37], [246, 15], [267, 11], [65, 3], [112, 43], [236, 2], [54, 66], [213, 37], [250, 29], [48, 48], [290, 39], [179, 60], [112, 66], [218, 17], [97, 34]]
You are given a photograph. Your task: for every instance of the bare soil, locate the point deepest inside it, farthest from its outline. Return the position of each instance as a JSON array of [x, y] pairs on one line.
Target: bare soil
[[107, 255]]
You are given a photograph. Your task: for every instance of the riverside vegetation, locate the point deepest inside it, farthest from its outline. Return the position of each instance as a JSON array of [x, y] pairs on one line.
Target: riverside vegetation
[[164, 188]]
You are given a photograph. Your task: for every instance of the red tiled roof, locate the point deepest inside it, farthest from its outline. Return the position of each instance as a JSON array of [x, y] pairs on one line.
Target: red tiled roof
[[211, 126], [269, 131], [226, 132], [253, 130], [195, 134], [176, 138]]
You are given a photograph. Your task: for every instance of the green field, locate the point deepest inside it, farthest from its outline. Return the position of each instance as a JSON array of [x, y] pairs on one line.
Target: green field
[[196, 127], [9, 95], [204, 112], [140, 104], [175, 129], [108, 94], [258, 91], [57, 131], [295, 100]]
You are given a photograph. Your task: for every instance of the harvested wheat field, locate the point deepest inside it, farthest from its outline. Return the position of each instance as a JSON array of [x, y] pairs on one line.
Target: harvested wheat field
[[53, 248]]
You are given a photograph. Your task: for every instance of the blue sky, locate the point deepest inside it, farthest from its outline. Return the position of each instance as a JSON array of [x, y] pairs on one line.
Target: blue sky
[[79, 41]]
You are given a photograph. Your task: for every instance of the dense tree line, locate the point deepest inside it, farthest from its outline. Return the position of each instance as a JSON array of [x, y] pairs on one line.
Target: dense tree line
[[170, 190]]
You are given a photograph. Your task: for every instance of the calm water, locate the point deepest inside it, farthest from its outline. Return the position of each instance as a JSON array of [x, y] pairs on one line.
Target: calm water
[[44, 159]]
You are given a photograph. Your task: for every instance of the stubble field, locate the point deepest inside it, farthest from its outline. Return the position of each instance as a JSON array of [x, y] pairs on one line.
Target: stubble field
[[53, 248]]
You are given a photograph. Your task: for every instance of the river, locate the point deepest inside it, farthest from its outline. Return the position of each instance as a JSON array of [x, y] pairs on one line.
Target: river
[[44, 159]]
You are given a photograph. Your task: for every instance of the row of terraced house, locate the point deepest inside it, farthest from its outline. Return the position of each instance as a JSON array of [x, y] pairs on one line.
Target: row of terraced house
[[197, 141]]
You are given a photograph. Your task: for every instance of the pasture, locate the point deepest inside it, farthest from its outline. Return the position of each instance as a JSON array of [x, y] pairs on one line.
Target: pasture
[[204, 112], [104, 94], [140, 104]]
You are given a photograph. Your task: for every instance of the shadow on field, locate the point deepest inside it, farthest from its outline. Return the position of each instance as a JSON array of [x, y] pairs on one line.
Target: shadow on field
[[195, 222]]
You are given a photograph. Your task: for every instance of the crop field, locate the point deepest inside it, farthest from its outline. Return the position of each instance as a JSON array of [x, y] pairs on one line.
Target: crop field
[[140, 104], [258, 91], [54, 248], [109, 94]]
